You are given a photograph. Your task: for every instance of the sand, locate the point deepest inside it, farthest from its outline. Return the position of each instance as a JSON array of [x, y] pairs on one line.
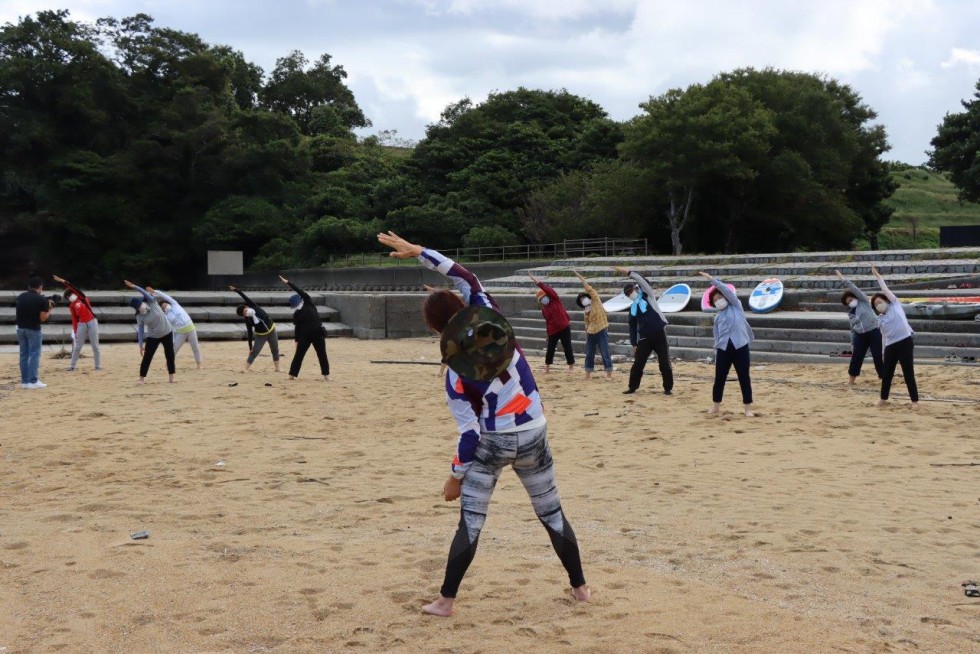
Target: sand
[[307, 516]]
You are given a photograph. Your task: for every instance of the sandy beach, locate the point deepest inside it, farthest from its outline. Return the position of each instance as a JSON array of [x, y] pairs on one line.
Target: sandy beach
[[307, 516]]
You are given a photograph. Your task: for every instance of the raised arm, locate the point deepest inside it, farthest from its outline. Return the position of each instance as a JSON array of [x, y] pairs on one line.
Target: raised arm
[[246, 299], [166, 298], [722, 287], [588, 288], [300, 292], [852, 287], [142, 291], [463, 280], [884, 287], [69, 286]]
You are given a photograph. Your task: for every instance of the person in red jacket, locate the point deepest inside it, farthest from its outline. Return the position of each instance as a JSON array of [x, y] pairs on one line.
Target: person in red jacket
[[83, 323], [558, 323]]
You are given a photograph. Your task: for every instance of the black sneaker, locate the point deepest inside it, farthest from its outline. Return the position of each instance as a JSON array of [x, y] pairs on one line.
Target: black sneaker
[[629, 391], [668, 393]]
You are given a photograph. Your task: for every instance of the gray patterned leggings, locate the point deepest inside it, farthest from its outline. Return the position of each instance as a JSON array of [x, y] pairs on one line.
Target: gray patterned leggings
[[529, 454]]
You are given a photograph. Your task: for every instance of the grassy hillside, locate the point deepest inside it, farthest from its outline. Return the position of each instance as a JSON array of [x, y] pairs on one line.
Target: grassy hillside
[[924, 201]]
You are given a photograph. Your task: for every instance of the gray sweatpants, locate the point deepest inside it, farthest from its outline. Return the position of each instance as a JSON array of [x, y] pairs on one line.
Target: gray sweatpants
[[190, 337], [89, 330], [260, 340]]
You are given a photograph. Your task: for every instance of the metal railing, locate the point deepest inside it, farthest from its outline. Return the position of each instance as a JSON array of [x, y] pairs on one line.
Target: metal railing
[[583, 247]]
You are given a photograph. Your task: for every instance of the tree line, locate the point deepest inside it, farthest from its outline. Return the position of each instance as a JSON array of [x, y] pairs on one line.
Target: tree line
[[127, 147]]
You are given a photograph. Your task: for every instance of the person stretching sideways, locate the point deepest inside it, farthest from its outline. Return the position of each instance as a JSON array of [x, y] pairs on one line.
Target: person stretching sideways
[[184, 329], [501, 423], [648, 331], [732, 338], [309, 331], [257, 320], [557, 323], [596, 328], [84, 324], [151, 320], [896, 333], [865, 333]]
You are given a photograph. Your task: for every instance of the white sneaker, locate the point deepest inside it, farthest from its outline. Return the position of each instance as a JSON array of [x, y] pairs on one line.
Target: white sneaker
[[25, 385], [38, 384]]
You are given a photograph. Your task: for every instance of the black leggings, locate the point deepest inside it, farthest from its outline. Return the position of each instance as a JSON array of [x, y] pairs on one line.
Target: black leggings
[[724, 361], [303, 343], [899, 353], [565, 336], [150, 346], [656, 343], [860, 344]]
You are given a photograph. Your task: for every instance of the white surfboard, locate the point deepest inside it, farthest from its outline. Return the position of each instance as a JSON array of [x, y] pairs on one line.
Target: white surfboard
[[617, 303], [675, 298], [766, 296], [705, 305]]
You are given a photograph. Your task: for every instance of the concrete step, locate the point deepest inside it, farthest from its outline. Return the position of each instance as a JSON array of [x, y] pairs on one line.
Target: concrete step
[[268, 300], [839, 337], [114, 314], [113, 332]]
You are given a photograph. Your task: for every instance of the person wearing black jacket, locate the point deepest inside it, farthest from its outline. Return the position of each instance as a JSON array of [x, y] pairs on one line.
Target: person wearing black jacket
[[648, 331], [309, 331], [257, 320]]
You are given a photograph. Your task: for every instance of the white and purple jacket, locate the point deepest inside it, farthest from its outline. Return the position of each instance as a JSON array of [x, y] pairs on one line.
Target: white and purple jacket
[[508, 403]]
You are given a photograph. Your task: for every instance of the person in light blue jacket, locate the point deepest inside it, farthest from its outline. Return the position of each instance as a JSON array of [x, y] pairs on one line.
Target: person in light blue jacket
[[732, 338], [180, 320]]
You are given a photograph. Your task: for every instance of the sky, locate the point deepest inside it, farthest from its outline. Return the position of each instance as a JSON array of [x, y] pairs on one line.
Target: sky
[[912, 61]]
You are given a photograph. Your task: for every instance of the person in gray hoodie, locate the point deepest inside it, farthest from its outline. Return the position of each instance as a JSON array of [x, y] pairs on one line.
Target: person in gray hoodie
[[153, 329], [865, 334]]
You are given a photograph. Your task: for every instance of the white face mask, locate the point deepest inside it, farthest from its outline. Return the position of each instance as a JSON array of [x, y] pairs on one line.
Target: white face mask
[[249, 313], [299, 306], [852, 303], [881, 306], [633, 295], [721, 304], [72, 297], [586, 303], [144, 309], [545, 301]]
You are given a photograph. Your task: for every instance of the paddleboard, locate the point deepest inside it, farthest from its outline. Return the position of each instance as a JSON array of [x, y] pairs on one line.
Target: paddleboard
[[617, 303], [675, 298], [972, 299], [766, 296], [705, 305], [942, 310]]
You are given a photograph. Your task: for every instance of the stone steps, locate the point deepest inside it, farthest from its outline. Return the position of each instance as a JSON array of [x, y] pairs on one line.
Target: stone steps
[[213, 314]]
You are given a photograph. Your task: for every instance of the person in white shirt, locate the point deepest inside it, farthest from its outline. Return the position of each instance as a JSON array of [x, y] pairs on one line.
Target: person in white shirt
[[896, 334]]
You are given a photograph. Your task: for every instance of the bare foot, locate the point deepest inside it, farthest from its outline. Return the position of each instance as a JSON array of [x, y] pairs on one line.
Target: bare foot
[[547, 368], [291, 377], [715, 408], [442, 606], [749, 414], [609, 375], [583, 593], [173, 380], [326, 378], [142, 380], [200, 366], [850, 382], [571, 368], [588, 374], [881, 403], [915, 406]]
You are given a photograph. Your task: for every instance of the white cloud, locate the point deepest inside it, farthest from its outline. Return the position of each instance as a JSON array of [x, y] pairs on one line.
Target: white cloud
[[962, 57], [908, 77]]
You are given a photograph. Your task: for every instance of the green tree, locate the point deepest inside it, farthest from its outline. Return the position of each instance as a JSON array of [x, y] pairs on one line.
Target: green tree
[[315, 96], [956, 148], [689, 137]]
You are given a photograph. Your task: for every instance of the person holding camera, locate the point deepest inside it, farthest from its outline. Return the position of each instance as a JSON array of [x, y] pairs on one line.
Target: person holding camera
[[32, 309]]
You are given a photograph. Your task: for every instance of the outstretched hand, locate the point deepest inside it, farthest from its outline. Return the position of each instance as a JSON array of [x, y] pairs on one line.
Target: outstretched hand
[[58, 279], [402, 249], [283, 279], [150, 290], [839, 275], [129, 284], [706, 275], [429, 289], [874, 271], [533, 278], [232, 287], [625, 272]]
